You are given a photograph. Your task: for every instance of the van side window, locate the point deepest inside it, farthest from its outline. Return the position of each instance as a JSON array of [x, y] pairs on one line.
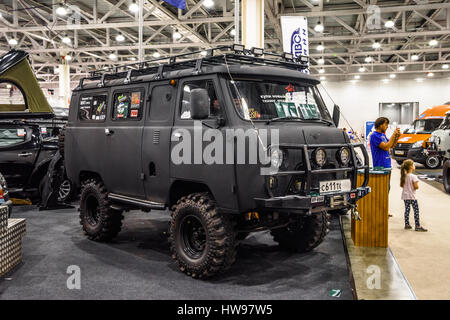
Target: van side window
[[93, 107], [127, 105], [215, 109], [161, 101]]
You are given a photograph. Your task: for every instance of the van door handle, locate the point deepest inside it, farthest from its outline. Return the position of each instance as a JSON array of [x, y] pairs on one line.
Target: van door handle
[[25, 154], [109, 132]]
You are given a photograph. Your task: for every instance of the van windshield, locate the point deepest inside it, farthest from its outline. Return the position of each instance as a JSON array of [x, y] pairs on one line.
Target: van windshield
[[424, 126], [269, 100]]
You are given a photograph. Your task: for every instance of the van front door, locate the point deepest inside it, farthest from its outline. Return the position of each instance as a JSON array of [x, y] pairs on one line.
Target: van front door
[[156, 141]]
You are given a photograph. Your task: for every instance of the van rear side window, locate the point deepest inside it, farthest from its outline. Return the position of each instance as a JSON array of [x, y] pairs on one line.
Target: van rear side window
[[93, 108], [127, 105]]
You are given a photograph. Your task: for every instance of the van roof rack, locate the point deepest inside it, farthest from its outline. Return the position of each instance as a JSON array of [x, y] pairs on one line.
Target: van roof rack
[[235, 54]]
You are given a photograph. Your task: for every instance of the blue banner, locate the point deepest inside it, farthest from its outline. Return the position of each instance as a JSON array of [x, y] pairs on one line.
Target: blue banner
[[177, 3]]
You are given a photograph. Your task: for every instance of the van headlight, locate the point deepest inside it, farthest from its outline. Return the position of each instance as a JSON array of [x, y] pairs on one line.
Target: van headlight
[[276, 158], [320, 157], [418, 144], [343, 156]]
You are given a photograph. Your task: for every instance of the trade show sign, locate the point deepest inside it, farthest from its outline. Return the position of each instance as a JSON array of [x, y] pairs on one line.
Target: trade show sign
[[181, 4], [295, 36]]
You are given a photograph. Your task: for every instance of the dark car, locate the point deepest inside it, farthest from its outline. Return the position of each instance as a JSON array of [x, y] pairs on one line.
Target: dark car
[[26, 149], [127, 144]]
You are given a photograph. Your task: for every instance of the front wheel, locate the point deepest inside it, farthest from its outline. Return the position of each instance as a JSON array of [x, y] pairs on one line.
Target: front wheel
[[446, 176], [304, 233], [99, 221], [202, 240], [432, 162]]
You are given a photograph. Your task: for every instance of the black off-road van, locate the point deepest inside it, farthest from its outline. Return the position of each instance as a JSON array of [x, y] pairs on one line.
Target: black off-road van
[[142, 138]]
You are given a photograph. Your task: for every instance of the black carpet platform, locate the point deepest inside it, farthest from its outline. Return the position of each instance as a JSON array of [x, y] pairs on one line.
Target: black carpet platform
[[137, 265]]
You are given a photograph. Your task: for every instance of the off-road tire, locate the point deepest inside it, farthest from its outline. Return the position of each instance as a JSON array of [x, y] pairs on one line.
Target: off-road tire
[[304, 234], [446, 176], [107, 222], [340, 212], [219, 251], [61, 140], [432, 162]]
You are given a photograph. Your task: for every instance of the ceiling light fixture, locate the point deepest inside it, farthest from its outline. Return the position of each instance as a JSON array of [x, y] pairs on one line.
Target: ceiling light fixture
[[318, 27], [362, 69], [120, 38], [433, 42], [357, 77], [323, 78], [376, 45], [12, 42], [368, 59], [445, 66], [176, 35], [134, 7], [112, 56], [389, 24], [321, 61], [401, 68], [414, 57], [320, 47], [68, 57], [156, 54], [66, 40], [322, 70], [61, 11], [430, 74], [233, 32], [208, 3]]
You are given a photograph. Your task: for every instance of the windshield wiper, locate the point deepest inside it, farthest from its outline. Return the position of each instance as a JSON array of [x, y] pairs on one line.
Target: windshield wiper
[[322, 120], [282, 119]]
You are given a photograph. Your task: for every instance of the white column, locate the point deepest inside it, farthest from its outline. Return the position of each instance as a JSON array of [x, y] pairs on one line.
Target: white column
[[64, 84], [141, 24], [253, 23]]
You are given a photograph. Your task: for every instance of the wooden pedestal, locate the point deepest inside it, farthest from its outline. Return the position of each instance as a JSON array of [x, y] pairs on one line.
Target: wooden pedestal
[[372, 229]]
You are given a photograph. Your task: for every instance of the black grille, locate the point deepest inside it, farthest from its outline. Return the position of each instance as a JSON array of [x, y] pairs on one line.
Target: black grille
[[403, 146]]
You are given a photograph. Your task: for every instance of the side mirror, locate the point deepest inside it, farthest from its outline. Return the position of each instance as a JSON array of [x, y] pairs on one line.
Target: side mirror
[[199, 102], [336, 115]]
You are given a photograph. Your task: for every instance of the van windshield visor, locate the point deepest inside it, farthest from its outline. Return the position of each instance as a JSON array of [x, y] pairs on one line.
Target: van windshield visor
[[268, 100]]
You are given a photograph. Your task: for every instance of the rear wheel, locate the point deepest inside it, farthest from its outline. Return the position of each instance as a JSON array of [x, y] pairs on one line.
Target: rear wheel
[[99, 221], [304, 234], [202, 240], [446, 176], [432, 162]]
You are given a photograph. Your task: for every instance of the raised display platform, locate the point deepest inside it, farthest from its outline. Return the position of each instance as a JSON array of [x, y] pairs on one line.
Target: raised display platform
[[11, 234]]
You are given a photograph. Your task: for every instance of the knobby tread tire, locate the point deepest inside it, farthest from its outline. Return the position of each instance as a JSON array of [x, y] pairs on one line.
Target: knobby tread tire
[[110, 220], [221, 238], [303, 235]]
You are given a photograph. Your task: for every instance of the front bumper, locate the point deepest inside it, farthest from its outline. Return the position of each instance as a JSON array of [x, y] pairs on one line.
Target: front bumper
[[314, 202], [415, 154]]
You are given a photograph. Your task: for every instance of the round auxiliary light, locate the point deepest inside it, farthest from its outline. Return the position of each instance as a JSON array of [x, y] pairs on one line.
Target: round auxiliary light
[[320, 157], [276, 158], [343, 156]]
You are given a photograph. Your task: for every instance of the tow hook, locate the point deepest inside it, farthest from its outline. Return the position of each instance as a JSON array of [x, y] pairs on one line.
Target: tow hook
[[355, 213]]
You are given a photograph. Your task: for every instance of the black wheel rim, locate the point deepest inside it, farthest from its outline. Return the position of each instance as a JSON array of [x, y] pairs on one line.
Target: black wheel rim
[[193, 236], [92, 210]]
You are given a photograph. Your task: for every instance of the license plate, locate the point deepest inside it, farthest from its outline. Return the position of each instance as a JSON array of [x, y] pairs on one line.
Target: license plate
[[399, 153], [335, 186]]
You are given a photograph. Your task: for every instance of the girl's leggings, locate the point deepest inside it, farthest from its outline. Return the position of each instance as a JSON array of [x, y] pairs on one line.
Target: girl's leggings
[[415, 206]]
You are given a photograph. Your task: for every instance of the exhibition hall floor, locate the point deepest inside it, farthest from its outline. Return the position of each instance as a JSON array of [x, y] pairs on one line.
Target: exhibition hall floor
[[137, 265], [424, 258]]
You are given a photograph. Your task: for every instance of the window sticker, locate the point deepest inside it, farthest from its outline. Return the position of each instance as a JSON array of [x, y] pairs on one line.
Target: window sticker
[[309, 111], [43, 130], [122, 107], [136, 100], [21, 132], [93, 108], [134, 113]]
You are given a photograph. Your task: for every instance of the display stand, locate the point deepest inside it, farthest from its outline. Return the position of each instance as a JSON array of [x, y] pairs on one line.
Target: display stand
[[370, 229], [11, 234]]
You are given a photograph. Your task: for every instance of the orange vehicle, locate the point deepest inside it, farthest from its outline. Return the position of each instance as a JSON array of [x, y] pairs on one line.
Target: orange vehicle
[[411, 144]]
